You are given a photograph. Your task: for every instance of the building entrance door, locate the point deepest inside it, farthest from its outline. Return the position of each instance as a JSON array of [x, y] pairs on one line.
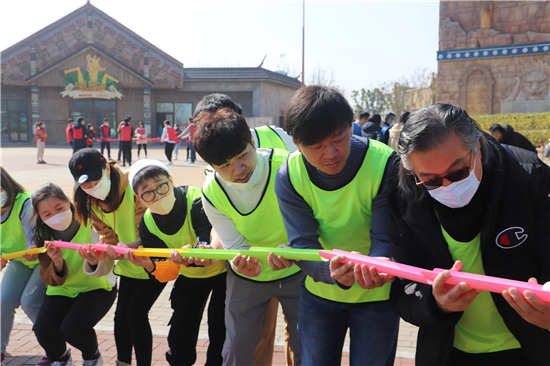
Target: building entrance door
[[15, 120], [94, 112]]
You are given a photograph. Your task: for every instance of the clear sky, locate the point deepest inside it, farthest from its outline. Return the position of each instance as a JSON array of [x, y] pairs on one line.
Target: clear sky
[[364, 43]]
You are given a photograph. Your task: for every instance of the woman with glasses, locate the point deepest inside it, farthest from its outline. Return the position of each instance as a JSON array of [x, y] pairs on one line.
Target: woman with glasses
[[176, 218], [461, 201], [103, 195]]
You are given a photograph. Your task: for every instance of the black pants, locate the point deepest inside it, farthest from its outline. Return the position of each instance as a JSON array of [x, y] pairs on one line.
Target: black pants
[[188, 150], [144, 149], [168, 149], [63, 319], [106, 144], [188, 300], [126, 152], [132, 328]]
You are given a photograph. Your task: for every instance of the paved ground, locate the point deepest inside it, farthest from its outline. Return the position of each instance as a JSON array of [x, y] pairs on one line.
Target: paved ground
[[23, 348]]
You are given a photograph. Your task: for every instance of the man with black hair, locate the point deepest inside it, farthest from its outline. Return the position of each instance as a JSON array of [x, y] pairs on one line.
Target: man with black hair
[[332, 195], [240, 202], [105, 134], [371, 129], [126, 134], [79, 134], [506, 135], [169, 138]]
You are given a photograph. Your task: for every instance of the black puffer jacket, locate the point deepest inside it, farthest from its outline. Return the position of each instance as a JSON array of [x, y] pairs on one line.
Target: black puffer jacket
[[511, 137], [518, 203], [372, 131]]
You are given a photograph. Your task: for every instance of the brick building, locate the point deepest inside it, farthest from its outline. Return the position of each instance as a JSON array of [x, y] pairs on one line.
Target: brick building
[[494, 56]]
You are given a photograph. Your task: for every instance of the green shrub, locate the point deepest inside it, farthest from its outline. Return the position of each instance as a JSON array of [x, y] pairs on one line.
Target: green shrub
[[534, 126]]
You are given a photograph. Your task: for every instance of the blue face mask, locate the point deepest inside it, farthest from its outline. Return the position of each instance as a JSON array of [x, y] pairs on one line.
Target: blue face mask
[[457, 194]]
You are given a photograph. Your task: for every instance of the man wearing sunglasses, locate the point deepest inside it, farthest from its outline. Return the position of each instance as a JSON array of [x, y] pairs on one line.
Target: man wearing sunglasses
[[462, 201]]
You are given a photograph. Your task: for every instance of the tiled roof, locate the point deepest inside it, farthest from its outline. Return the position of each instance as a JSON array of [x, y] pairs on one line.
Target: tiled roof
[[236, 73]]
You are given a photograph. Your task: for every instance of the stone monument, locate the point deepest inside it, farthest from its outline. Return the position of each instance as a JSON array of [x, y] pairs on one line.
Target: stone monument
[[494, 56]]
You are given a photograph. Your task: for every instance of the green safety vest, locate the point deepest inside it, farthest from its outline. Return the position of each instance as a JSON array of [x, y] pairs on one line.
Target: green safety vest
[[264, 225], [12, 232], [344, 216], [124, 224], [481, 329], [186, 235], [77, 281], [268, 138]]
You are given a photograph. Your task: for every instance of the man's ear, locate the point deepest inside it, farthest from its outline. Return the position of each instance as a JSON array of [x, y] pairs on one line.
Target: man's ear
[[297, 145]]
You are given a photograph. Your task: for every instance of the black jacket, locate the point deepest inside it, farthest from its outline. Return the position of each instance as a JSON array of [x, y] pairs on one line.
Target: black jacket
[[511, 137], [372, 131], [518, 198]]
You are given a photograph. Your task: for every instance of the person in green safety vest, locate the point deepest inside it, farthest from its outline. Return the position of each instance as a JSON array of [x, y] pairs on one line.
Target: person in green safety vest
[[332, 195], [240, 202], [21, 282], [267, 137], [459, 200], [104, 196], [175, 218], [75, 301]]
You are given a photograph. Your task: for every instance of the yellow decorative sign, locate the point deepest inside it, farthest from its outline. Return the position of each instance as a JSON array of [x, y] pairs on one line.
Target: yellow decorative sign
[[93, 82]]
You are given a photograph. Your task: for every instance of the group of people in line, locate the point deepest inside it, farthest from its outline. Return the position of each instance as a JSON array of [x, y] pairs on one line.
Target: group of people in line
[[448, 196]]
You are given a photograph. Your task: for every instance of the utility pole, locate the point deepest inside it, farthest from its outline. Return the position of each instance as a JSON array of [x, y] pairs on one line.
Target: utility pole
[[303, 38]]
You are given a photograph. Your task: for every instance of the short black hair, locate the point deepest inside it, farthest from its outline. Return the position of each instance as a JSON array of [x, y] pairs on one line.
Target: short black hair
[[220, 136], [375, 118], [146, 174], [213, 102], [127, 118], [70, 120], [496, 128], [389, 115], [364, 115], [315, 113], [105, 119], [80, 119], [167, 122]]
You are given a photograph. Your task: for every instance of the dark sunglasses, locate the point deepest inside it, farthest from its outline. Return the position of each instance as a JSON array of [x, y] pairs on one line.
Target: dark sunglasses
[[455, 176]]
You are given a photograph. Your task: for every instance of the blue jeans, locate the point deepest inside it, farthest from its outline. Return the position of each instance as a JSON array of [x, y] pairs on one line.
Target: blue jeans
[[322, 326], [20, 286], [192, 149]]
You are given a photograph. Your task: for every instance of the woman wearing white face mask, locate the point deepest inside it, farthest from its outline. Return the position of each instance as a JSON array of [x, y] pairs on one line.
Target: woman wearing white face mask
[[460, 200], [74, 302], [21, 282], [104, 195], [176, 218]]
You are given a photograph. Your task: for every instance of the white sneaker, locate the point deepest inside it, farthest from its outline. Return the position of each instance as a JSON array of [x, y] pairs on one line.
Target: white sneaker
[[169, 163], [69, 362], [97, 362]]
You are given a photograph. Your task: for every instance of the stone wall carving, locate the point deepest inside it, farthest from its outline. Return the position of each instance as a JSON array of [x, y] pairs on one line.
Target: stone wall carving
[[476, 89], [531, 90], [453, 36]]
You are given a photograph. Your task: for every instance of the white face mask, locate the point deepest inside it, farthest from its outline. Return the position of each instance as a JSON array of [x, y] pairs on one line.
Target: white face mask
[[61, 221], [457, 194], [102, 189], [3, 198], [164, 205], [43, 125]]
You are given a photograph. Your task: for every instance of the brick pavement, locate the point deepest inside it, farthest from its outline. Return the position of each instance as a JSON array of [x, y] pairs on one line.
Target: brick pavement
[[23, 349]]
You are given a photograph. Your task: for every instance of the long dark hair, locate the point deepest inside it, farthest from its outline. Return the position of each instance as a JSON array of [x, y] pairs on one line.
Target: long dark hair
[[42, 231], [11, 187], [83, 201]]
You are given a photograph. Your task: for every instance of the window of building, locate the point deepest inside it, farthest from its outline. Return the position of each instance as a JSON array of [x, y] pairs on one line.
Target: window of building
[[14, 120], [174, 112], [94, 111]]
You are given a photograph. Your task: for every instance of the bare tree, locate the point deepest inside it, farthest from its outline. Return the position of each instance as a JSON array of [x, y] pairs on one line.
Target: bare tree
[[324, 77]]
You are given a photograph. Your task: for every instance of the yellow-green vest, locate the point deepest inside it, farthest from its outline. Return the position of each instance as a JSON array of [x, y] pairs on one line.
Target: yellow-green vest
[[344, 216], [186, 235], [263, 226], [481, 329], [12, 232], [124, 224], [77, 281], [268, 138]]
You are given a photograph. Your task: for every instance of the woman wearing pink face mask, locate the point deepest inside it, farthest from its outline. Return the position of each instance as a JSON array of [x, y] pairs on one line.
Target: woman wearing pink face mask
[[75, 302], [104, 196]]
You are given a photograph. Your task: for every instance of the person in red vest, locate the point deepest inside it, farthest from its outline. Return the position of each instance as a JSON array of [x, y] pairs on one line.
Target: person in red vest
[[90, 142], [69, 132], [126, 133], [79, 133], [104, 132], [188, 134], [141, 135], [41, 135], [169, 138]]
